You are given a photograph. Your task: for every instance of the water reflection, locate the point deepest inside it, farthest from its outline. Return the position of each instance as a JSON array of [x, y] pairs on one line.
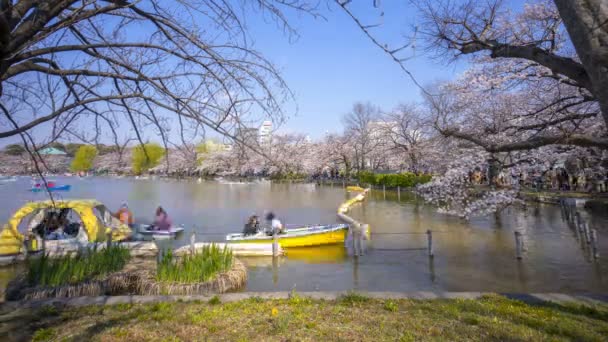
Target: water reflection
[[330, 254], [356, 272], [432, 269]]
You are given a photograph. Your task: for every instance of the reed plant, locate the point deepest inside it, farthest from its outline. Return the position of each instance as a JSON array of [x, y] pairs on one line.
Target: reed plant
[[195, 268], [76, 268]]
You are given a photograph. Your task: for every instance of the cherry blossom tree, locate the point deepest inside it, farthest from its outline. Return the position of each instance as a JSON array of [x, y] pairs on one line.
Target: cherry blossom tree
[[336, 152], [531, 95], [409, 135], [533, 48], [359, 126], [95, 66]]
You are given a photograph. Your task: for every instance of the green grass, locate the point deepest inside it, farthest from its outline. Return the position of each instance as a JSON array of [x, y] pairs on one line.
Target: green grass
[[391, 305], [215, 300], [200, 267], [44, 334], [75, 268], [353, 298], [491, 318]]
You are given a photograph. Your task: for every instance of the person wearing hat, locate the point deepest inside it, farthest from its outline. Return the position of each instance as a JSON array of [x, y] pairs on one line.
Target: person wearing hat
[[124, 214]]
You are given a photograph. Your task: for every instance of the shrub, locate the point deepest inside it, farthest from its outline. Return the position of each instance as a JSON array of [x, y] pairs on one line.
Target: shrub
[[14, 149], [404, 180], [83, 160], [199, 267], [146, 157], [75, 268], [289, 176]]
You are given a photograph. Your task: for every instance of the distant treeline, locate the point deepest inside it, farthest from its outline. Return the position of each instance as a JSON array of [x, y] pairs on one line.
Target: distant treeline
[[69, 148]]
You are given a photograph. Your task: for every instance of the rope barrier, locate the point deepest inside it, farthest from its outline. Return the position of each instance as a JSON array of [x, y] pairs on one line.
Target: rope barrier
[[411, 233], [400, 249]]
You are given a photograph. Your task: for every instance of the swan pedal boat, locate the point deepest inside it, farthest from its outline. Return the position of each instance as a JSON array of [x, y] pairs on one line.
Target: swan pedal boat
[[304, 236], [95, 222]]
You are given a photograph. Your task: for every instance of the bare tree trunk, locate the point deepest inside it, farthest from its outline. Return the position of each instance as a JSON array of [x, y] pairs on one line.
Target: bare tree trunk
[[587, 25], [493, 170]]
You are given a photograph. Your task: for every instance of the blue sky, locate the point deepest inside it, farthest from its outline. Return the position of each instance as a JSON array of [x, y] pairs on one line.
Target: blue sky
[[333, 65]]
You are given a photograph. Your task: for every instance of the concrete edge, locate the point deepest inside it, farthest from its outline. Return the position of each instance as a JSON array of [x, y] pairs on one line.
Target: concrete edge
[[531, 298]]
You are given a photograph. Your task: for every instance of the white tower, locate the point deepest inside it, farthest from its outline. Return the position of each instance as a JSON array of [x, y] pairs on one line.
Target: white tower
[[266, 133]]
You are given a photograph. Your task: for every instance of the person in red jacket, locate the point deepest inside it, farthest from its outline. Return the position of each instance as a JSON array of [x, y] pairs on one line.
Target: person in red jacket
[[124, 214]]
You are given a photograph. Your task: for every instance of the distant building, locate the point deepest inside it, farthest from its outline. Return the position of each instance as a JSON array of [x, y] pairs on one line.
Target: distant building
[[265, 135], [380, 129], [51, 151]]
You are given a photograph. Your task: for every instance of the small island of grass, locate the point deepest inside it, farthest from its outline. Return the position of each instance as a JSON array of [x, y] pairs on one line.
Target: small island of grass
[[112, 271], [198, 267], [76, 268], [209, 270]]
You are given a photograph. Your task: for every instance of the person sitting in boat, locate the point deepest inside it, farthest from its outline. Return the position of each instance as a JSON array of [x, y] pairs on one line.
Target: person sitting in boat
[[125, 215], [47, 225], [162, 221], [252, 225], [53, 225], [275, 223]]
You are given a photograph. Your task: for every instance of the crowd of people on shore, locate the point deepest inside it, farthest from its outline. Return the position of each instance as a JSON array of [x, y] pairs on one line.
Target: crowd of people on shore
[[552, 179]]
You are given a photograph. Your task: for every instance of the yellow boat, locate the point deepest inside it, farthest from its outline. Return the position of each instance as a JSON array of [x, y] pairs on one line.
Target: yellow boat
[[91, 222], [352, 188], [298, 237]]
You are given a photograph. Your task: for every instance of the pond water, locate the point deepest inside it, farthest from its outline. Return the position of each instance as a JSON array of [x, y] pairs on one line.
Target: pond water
[[476, 255]]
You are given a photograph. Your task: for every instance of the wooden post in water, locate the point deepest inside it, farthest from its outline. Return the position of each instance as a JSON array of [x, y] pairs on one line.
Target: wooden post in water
[[343, 183], [518, 245], [579, 226], [595, 252], [275, 244], [355, 229], [429, 236], [398, 193], [384, 190], [192, 243], [572, 214]]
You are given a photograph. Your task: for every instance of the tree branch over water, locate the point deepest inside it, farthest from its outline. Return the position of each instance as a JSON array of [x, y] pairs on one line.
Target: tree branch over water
[[64, 63]]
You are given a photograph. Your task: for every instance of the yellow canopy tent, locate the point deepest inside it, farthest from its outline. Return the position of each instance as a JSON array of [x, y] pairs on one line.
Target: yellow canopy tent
[[96, 226]]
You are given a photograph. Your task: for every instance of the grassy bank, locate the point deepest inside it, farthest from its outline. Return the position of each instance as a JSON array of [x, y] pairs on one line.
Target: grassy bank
[[353, 317]]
